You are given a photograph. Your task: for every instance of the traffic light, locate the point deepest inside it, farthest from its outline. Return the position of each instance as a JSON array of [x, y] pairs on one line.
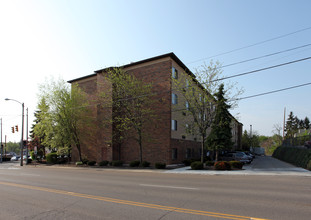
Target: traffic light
[[16, 128], [12, 129]]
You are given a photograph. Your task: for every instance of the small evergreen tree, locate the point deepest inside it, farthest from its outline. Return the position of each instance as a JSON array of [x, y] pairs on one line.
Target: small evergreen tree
[[221, 136], [291, 125], [306, 123]]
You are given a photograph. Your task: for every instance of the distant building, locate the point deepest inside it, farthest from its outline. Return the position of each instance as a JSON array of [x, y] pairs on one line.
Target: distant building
[[169, 142]]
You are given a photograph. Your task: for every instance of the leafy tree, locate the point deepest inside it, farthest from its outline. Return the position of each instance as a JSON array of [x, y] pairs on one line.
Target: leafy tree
[[67, 119], [132, 109], [12, 147], [221, 136], [196, 92]]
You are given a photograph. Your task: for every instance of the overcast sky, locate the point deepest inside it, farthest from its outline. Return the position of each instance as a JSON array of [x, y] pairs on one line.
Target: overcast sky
[[73, 38]]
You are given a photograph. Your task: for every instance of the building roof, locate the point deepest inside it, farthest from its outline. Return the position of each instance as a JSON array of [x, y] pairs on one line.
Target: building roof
[[171, 55]]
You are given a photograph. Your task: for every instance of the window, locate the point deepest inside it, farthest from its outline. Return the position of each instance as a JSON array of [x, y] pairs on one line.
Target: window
[[187, 83], [174, 73], [188, 153], [187, 105], [174, 99], [174, 125], [183, 136], [174, 153]]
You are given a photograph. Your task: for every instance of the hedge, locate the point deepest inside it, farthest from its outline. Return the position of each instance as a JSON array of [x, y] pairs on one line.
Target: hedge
[[134, 163], [103, 163], [116, 163], [145, 164], [222, 165], [160, 165], [51, 158], [91, 163], [297, 156], [197, 165]]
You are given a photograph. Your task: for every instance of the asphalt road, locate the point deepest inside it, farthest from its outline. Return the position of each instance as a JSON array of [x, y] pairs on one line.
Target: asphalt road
[[94, 193]]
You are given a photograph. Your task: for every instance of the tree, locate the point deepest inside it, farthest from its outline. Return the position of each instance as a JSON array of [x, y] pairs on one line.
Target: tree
[[221, 136], [196, 92], [306, 123], [41, 128], [67, 119], [291, 125], [246, 141], [132, 108]]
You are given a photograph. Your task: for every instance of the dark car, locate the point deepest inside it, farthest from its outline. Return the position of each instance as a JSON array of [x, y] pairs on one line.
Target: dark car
[[308, 144]]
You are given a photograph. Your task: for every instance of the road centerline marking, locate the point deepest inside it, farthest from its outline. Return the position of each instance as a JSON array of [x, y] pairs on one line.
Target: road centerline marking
[[131, 203], [169, 187]]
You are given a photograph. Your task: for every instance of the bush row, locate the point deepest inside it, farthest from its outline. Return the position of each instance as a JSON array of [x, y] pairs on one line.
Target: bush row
[[220, 165], [136, 163], [119, 163], [300, 157]]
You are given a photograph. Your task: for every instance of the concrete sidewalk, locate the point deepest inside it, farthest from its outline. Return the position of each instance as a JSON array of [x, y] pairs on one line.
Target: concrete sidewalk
[[262, 165]]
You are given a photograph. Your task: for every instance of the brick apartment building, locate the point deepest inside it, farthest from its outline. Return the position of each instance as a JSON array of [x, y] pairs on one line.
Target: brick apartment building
[[168, 140]]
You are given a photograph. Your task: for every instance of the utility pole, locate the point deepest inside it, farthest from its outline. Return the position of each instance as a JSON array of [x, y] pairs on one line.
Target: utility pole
[[251, 136], [27, 137], [284, 123]]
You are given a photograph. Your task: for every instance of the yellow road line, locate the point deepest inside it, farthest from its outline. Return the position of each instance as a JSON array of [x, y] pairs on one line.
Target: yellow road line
[[132, 203]]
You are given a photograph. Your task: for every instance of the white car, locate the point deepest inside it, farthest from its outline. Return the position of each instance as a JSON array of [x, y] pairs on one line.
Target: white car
[[15, 158]]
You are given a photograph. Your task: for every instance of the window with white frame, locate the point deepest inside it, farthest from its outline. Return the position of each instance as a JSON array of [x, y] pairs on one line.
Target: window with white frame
[[174, 99], [174, 73], [174, 125], [187, 83], [187, 105]]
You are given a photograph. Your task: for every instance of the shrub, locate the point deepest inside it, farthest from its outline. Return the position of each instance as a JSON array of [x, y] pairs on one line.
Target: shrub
[[187, 162], [236, 164], [91, 163], [116, 163], [210, 163], [134, 163], [32, 155], [297, 156], [79, 163], [160, 165], [103, 163], [51, 158], [145, 164], [197, 165], [222, 165], [85, 160]]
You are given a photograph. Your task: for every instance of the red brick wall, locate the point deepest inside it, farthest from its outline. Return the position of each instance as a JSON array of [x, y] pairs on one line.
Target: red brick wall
[[156, 144], [181, 146]]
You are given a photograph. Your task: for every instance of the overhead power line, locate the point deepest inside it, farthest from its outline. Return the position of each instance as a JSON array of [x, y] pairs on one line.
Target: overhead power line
[[274, 91], [268, 55], [252, 45], [262, 69]]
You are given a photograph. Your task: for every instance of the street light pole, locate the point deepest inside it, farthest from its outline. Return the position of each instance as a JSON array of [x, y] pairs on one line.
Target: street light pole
[[22, 136]]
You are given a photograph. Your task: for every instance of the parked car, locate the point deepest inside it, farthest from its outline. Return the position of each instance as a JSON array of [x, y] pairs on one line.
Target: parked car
[[242, 157], [308, 144], [250, 154], [15, 158], [238, 156]]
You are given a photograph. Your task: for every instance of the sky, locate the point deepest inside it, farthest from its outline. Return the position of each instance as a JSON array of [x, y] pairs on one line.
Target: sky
[[68, 39]]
